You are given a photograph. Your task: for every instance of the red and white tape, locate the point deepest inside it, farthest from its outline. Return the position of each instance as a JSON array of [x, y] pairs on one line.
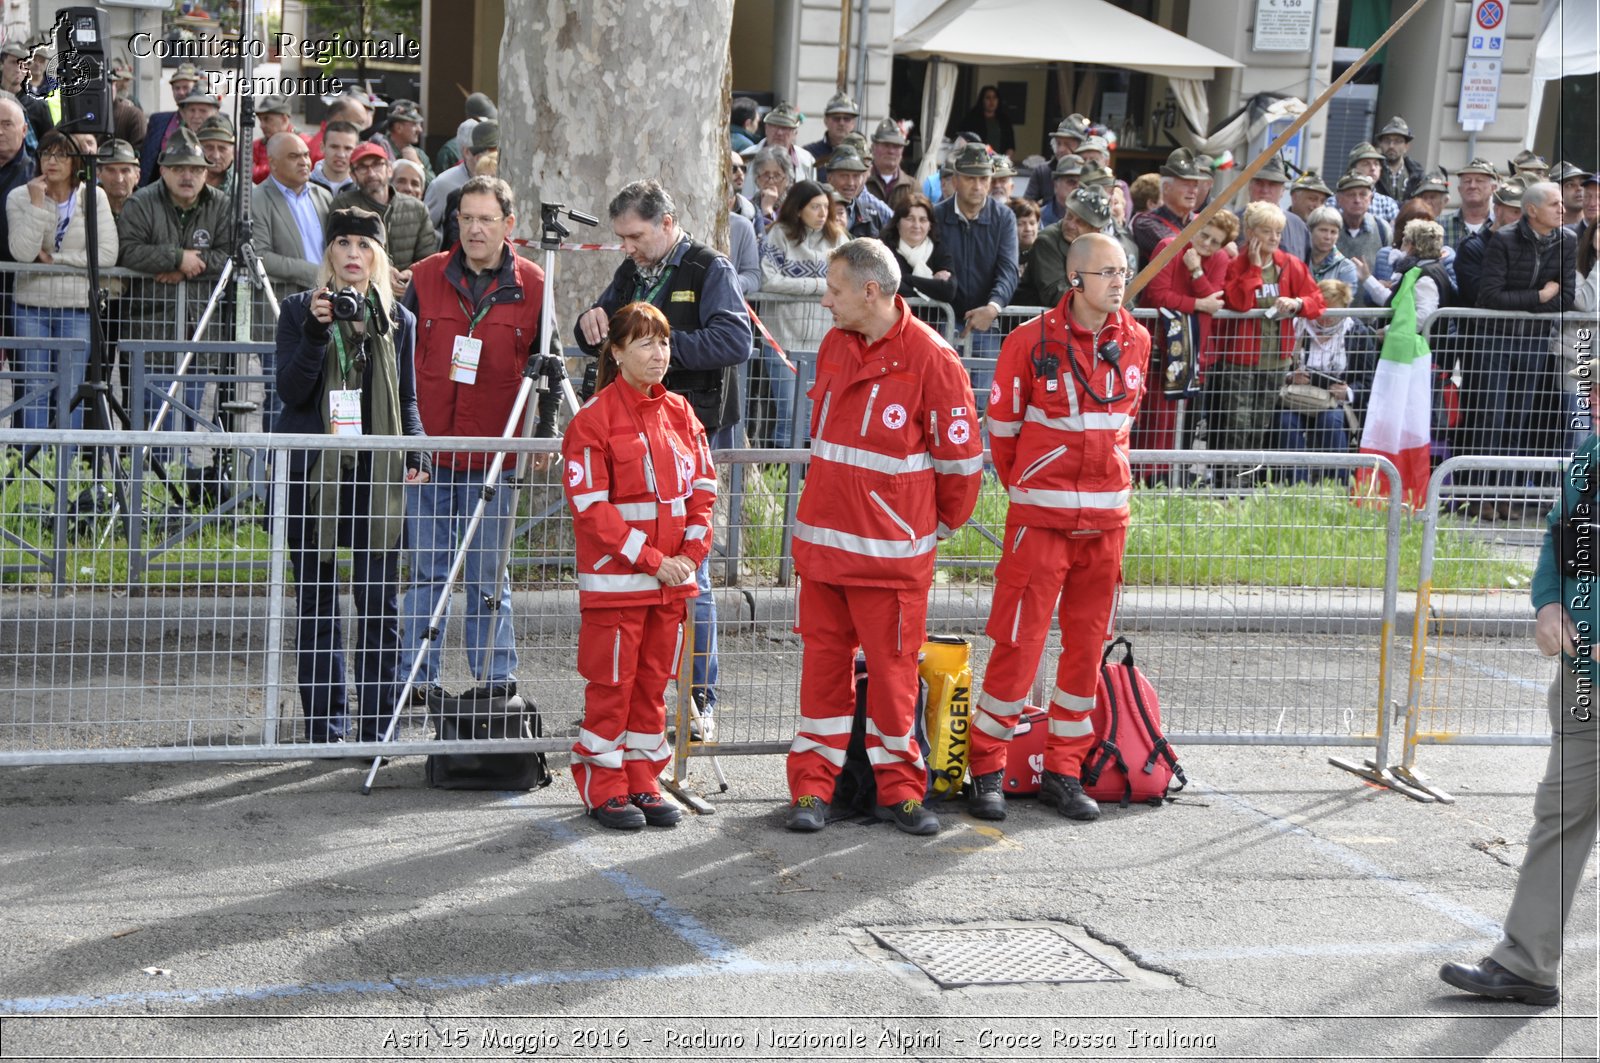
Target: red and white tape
[[767, 336], [572, 247]]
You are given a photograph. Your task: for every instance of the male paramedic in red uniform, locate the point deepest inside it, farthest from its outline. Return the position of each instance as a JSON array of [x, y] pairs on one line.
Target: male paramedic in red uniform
[[1065, 392], [896, 458]]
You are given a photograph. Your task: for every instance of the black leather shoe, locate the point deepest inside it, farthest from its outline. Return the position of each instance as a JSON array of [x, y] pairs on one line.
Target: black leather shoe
[[421, 692], [618, 814], [501, 688], [1488, 979], [1065, 794], [658, 811], [986, 796], [913, 817], [808, 813]]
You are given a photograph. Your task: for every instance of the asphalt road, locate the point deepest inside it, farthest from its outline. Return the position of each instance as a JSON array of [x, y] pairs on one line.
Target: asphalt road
[[1279, 909]]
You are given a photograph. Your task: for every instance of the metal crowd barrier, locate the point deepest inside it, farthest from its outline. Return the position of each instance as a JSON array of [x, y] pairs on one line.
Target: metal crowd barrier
[[1502, 387], [1475, 678], [140, 307], [199, 662]]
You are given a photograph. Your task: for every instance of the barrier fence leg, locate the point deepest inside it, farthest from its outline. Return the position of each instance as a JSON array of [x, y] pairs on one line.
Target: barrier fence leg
[[687, 711], [1421, 629], [1376, 769], [278, 594]]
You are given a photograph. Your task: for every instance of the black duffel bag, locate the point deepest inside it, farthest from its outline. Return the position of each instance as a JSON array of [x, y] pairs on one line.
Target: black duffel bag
[[485, 718]]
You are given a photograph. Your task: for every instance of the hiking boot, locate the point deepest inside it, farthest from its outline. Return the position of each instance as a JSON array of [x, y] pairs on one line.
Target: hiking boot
[[912, 816], [986, 796], [1066, 794], [658, 811], [808, 813], [618, 814]]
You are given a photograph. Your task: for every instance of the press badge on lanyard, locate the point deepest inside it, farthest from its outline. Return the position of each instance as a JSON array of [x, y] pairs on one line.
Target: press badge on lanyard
[[344, 411], [464, 359], [466, 351]]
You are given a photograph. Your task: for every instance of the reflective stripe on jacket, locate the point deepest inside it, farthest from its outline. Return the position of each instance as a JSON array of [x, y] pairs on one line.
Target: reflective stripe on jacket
[[896, 457], [641, 485], [1060, 451]]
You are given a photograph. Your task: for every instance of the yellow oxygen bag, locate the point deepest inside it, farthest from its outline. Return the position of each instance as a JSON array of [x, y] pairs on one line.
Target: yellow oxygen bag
[[946, 667]]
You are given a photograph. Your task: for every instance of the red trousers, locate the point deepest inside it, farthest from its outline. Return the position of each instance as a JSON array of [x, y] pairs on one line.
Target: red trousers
[[890, 626], [628, 656], [1038, 566]]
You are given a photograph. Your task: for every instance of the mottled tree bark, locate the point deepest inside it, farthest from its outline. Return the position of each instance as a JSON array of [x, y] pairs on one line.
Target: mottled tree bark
[[597, 93]]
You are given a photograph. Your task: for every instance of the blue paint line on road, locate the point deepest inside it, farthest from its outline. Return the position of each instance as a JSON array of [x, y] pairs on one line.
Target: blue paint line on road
[[229, 994], [1490, 670], [1367, 868], [685, 926]]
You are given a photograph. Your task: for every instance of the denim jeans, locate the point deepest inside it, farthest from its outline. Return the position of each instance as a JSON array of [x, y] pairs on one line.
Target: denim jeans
[[437, 513], [1327, 430], [984, 345], [705, 636], [51, 322], [781, 387]]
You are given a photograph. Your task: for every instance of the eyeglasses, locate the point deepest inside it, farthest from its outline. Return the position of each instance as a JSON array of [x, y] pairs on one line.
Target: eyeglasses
[[470, 220], [1112, 274]]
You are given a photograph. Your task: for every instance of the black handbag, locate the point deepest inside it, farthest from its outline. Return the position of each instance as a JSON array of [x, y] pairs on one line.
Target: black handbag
[[485, 718]]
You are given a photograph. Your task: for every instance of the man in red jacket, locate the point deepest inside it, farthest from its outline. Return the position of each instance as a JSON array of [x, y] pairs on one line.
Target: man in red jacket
[[1060, 412], [477, 308], [896, 459]]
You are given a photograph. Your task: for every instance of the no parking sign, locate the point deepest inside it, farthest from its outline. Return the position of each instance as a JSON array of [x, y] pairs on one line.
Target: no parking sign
[[1486, 29]]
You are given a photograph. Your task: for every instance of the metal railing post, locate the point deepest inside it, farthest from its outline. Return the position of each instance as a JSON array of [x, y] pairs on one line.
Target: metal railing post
[[277, 592]]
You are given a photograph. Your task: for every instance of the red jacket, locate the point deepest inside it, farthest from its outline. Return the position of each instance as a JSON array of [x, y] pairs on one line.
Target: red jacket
[[1174, 289], [1061, 453], [1239, 342], [896, 457], [509, 328], [641, 486]]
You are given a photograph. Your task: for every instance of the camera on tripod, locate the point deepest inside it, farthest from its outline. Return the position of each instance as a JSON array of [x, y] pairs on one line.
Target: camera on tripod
[[347, 304]]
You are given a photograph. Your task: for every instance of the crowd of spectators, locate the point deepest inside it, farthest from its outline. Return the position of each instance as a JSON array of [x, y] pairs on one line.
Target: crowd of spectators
[[989, 230], [167, 197]]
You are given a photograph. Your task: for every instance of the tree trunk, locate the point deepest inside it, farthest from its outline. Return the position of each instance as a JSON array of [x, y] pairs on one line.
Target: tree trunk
[[597, 93]]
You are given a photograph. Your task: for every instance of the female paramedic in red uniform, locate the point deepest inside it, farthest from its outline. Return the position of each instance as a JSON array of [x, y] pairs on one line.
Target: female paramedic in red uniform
[[641, 486], [1065, 392]]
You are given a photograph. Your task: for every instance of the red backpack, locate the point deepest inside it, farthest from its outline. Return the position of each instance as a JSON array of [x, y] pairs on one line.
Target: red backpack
[[1131, 760]]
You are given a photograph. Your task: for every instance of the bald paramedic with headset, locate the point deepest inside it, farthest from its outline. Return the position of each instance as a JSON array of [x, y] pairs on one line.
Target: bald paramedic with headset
[[1066, 389]]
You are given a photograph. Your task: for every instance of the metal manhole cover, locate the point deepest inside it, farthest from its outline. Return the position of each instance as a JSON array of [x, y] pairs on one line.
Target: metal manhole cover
[[995, 955]]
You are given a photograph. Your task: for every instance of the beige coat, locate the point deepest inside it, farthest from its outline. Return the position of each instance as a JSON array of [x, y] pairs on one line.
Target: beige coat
[[33, 229]]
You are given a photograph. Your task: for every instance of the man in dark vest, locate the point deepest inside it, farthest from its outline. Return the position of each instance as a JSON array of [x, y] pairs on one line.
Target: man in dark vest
[[698, 290]]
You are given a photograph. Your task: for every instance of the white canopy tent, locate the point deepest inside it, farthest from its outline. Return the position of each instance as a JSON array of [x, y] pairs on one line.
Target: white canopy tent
[[1569, 45], [1049, 31]]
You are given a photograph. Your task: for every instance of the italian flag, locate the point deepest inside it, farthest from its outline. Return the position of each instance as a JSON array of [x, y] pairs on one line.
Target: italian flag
[[1398, 413]]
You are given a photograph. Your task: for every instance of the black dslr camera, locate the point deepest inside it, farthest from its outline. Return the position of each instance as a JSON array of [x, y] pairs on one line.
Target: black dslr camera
[[348, 305]]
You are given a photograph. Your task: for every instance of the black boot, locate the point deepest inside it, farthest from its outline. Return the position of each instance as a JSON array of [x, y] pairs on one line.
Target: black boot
[[912, 816], [986, 796], [1065, 792]]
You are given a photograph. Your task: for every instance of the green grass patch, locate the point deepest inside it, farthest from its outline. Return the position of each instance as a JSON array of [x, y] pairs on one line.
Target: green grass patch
[[1272, 536]]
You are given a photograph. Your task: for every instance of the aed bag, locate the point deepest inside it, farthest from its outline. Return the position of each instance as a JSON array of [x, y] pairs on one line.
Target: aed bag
[[946, 669]]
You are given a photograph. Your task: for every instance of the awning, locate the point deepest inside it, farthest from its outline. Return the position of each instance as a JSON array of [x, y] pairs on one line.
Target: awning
[[995, 32]]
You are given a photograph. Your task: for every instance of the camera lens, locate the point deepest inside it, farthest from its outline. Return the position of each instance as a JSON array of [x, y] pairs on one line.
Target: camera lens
[[347, 304]]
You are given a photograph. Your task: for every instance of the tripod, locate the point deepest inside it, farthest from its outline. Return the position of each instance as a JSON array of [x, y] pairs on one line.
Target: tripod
[[546, 373], [100, 408], [244, 267]]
